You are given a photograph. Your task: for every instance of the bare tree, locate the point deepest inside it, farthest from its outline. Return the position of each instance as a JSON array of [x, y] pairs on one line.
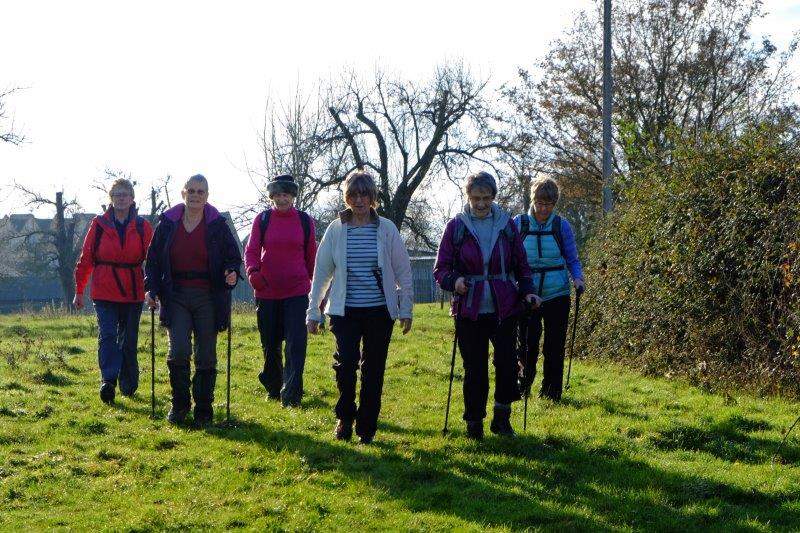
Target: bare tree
[[686, 66], [288, 143], [57, 246], [409, 133], [8, 130], [158, 193]]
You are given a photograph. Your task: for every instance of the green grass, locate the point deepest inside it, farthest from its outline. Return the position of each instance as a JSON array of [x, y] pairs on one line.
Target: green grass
[[622, 452]]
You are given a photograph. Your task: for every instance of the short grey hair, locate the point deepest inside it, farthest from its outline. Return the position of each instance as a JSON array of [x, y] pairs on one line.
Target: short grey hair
[[198, 178], [481, 179]]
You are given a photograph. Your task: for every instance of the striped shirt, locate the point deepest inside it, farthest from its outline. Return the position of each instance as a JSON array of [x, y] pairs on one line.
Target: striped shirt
[[363, 289]]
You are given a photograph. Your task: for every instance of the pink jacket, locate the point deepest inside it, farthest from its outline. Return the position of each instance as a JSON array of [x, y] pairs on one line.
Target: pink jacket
[[279, 267]]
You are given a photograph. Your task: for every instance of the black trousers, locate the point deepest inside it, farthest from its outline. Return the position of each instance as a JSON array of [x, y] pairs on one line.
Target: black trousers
[[362, 340], [282, 321], [473, 342], [554, 314]]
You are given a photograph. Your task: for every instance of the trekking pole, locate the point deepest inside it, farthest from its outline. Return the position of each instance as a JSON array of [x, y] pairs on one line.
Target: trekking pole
[[572, 340], [523, 346], [228, 374], [452, 361], [153, 362]]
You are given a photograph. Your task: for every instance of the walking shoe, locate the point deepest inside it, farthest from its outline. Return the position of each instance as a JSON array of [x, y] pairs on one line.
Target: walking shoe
[[475, 429], [107, 392], [501, 423], [177, 416], [343, 429], [366, 439], [271, 395]]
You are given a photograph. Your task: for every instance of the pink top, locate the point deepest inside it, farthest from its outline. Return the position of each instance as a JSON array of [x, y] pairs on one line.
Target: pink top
[[279, 267]]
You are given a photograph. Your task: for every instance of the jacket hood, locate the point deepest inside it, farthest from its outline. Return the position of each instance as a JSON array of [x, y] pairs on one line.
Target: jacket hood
[[174, 214], [107, 218]]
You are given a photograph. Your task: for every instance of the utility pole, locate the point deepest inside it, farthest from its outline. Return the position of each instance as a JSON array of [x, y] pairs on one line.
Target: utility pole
[[608, 198]]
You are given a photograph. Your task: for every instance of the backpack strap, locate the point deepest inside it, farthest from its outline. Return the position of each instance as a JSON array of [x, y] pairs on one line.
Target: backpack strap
[[524, 226], [140, 231], [98, 234], [263, 223], [556, 226], [305, 221]]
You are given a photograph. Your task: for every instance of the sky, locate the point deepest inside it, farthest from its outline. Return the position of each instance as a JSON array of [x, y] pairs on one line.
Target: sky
[[179, 88]]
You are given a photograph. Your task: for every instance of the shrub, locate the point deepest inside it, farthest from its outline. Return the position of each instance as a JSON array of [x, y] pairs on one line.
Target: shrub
[[697, 272]]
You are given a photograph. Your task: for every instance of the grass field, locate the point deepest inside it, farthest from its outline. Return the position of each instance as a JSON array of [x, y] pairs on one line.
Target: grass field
[[621, 452]]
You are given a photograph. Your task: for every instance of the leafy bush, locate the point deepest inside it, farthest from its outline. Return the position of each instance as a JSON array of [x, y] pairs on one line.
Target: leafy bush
[[697, 272]]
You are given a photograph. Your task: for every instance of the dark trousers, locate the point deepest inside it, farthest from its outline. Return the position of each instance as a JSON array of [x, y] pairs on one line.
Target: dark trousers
[[279, 321], [192, 314], [371, 326], [473, 343], [554, 314], [118, 336]]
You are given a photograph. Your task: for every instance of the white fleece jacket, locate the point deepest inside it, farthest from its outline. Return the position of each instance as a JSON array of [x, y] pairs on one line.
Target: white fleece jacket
[[331, 264]]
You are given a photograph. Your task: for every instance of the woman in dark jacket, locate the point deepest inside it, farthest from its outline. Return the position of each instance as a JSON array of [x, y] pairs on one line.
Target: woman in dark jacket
[[482, 261], [113, 253], [192, 264]]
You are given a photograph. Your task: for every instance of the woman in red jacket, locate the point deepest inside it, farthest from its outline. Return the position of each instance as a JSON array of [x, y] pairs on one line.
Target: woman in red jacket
[[113, 251]]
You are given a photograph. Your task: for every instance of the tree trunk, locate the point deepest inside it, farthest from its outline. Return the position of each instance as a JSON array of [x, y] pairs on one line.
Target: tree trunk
[[65, 255]]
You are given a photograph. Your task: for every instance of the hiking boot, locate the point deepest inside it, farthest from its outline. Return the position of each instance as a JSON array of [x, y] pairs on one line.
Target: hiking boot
[[107, 392], [501, 423], [203, 390], [475, 429], [343, 429], [181, 402]]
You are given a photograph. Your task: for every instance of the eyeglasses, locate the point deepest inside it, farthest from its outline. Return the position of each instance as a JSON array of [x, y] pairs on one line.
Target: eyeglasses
[[544, 204], [201, 192], [358, 194]]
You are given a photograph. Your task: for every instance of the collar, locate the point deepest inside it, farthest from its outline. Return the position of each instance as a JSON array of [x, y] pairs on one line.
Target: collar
[[347, 215]]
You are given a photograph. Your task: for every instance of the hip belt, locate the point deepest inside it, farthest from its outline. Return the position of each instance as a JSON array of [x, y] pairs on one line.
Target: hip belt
[[543, 271], [191, 275], [131, 267]]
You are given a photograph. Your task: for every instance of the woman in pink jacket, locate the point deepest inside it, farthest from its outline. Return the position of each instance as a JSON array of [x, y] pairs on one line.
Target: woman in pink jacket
[[279, 259]]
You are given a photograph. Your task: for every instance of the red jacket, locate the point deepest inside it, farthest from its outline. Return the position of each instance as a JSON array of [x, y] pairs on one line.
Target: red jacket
[[117, 270]]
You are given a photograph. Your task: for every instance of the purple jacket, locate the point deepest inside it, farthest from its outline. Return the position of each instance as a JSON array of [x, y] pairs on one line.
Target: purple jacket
[[223, 254], [451, 264]]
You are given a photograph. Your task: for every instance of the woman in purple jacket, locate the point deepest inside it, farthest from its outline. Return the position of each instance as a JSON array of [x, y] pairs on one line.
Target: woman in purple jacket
[[482, 262]]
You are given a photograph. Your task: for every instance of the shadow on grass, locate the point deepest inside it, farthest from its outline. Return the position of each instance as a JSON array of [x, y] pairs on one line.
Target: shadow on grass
[[48, 377], [729, 440], [529, 481], [608, 405]]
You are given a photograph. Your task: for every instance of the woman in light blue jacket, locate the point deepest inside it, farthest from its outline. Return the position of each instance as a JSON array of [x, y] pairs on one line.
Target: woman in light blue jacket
[[363, 260], [553, 257]]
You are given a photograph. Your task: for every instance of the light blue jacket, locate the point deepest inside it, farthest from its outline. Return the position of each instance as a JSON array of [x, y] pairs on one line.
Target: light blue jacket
[[555, 283]]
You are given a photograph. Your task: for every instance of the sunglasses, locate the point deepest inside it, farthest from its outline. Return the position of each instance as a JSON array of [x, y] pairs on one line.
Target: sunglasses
[[120, 194], [195, 191]]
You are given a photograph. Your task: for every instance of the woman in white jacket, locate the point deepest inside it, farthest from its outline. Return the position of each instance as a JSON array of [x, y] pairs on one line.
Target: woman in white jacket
[[364, 261]]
